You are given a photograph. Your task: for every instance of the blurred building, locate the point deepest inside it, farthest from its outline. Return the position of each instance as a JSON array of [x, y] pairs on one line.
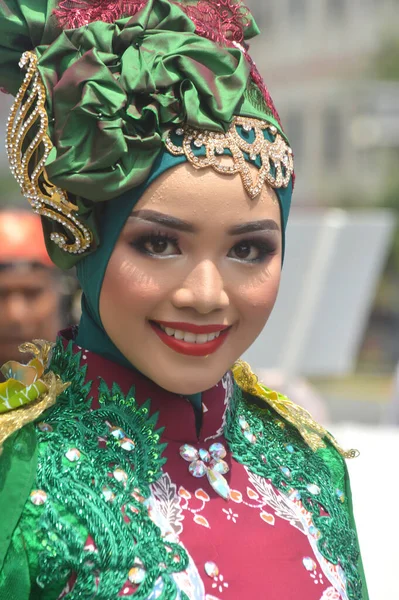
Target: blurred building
[[316, 57]]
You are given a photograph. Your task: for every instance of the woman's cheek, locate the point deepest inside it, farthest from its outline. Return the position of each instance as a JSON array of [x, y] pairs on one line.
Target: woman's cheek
[[259, 293], [138, 283]]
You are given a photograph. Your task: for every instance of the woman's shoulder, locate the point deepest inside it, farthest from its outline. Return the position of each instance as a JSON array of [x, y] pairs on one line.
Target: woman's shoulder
[[290, 424], [27, 392]]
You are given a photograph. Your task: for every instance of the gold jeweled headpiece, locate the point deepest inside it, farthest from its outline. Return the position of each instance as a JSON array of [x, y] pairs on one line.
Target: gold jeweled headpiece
[[27, 154], [275, 156]]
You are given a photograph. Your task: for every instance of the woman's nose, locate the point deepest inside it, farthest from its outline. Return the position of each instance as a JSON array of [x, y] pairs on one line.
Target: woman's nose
[[202, 290]]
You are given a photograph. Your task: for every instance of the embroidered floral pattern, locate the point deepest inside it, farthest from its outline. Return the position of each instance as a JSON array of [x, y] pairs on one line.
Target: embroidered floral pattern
[[203, 499]]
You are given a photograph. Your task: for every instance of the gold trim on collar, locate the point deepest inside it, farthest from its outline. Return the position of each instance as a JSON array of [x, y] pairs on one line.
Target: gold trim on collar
[[313, 433]]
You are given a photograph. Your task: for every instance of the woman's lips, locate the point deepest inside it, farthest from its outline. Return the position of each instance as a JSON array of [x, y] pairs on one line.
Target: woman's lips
[[191, 328], [187, 347]]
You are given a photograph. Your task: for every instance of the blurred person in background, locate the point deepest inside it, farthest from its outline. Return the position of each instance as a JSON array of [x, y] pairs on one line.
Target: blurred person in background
[[30, 288]]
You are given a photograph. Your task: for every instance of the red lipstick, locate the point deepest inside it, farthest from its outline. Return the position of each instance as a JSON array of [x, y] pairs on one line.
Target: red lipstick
[[191, 348]]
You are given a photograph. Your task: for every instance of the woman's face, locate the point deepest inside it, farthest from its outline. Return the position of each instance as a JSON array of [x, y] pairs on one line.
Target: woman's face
[[193, 277]]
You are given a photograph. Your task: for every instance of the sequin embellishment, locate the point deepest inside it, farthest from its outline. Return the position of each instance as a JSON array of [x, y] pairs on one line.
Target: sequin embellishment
[[309, 564], [137, 573], [38, 497], [73, 455], [211, 569], [210, 463]]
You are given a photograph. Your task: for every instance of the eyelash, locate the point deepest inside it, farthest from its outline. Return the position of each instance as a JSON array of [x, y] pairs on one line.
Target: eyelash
[[264, 247], [140, 243]]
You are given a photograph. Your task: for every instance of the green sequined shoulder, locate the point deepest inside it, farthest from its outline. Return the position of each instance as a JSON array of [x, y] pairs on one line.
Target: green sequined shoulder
[[87, 513], [274, 449]]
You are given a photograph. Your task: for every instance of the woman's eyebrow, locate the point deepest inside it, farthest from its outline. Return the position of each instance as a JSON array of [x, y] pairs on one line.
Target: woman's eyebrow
[[158, 218], [264, 225]]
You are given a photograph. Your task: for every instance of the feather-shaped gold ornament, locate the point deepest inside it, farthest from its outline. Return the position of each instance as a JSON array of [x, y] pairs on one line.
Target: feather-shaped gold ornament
[[28, 147]]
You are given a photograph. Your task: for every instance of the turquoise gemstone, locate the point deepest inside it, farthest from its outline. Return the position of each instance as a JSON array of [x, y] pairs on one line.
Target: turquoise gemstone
[[314, 532], [290, 448], [340, 495], [294, 495], [285, 471], [219, 483]]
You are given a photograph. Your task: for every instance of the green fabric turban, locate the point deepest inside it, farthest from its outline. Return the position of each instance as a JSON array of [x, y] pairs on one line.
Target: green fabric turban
[[117, 85]]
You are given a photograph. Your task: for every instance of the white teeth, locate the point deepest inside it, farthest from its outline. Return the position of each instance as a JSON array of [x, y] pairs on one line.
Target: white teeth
[[192, 338], [201, 338]]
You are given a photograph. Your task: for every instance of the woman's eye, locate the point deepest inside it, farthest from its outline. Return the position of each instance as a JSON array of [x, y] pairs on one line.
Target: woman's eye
[[251, 252], [157, 245]]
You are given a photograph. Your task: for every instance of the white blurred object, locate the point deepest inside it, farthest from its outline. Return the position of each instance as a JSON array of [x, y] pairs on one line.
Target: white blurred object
[[332, 266], [375, 489]]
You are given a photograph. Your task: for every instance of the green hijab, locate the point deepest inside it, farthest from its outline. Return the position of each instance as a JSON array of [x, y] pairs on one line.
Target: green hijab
[[91, 269]]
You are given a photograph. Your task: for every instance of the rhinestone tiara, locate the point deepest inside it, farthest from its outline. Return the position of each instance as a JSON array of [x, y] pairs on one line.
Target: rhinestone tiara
[[276, 157]]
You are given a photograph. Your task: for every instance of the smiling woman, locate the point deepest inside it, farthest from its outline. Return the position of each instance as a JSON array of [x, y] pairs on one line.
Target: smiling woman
[[212, 270], [144, 136]]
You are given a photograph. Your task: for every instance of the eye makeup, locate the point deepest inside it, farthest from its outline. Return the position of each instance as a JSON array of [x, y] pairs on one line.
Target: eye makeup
[[156, 243]]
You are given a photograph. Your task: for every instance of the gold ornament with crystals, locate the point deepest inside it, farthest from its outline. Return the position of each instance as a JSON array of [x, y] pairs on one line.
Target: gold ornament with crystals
[[29, 390], [312, 433], [276, 154], [47, 200]]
